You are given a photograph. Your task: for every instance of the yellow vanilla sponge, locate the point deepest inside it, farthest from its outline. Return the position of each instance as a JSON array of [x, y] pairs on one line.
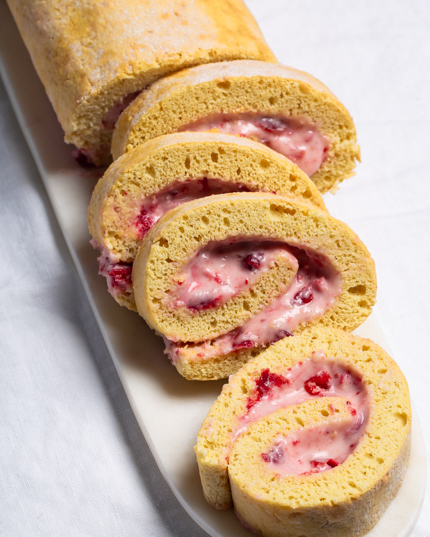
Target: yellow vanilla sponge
[[172, 169], [203, 343], [251, 436], [92, 56], [238, 87]]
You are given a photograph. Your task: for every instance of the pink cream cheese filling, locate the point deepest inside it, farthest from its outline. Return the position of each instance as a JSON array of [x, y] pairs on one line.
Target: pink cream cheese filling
[[314, 290], [219, 272], [296, 138], [117, 273], [153, 207], [147, 212], [318, 448]]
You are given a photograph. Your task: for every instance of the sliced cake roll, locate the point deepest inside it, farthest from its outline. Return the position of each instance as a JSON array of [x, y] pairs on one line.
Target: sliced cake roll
[[95, 57], [283, 108], [165, 172], [311, 438], [223, 277]]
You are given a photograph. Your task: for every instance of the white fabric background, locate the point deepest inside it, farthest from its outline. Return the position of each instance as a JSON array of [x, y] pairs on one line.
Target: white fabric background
[[73, 460]]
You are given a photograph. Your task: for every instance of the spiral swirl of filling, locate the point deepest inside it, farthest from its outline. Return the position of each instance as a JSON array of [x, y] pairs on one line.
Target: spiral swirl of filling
[[313, 433]]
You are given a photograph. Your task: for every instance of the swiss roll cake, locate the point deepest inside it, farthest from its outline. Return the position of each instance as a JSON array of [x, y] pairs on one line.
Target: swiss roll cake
[[165, 172], [288, 110], [223, 277], [94, 57], [311, 438]]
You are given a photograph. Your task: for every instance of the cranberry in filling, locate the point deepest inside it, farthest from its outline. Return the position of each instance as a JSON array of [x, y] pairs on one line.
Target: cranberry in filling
[[318, 384], [275, 456], [154, 207], [83, 158], [265, 383], [320, 448], [117, 274], [314, 290], [253, 261], [221, 270], [296, 138]]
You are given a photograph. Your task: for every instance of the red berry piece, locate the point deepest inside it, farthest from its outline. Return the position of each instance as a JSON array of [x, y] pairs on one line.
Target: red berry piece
[[253, 261], [265, 383], [245, 344], [276, 455], [82, 158], [315, 385], [344, 377], [358, 422], [304, 296], [332, 463], [120, 275], [318, 465], [144, 222], [205, 304], [271, 124], [281, 334]]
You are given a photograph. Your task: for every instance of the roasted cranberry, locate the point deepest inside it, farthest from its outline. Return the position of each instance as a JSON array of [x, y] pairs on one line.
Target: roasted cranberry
[[276, 455], [253, 261], [281, 334], [304, 296], [344, 377], [206, 304], [120, 275], [82, 158], [358, 421], [144, 222], [315, 385], [271, 124], [265, 383], [244, 344]]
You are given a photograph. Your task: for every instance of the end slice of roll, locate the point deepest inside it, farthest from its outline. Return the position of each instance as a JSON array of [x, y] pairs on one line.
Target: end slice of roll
[[212, 328], [286, 109], [170, 170], [314, 434]]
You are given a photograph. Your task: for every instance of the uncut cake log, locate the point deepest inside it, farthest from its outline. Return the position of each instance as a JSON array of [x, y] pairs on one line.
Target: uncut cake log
[[286, 109], [223, 277], [169, 170], [92, 56]]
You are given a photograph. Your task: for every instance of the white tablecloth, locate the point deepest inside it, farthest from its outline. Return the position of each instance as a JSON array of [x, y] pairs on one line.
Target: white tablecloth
[[73, 460]]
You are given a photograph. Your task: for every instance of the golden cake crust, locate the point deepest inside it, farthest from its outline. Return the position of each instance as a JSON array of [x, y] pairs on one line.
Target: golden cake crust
[[186, 229], [347, 500], [91, 54], [242, 86]]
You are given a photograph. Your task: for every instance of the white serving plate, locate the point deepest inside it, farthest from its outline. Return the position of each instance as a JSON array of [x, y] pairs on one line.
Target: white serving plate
[[169, 409]]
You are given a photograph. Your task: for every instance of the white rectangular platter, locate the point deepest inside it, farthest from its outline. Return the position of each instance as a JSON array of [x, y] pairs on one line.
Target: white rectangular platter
[[168, 408]]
